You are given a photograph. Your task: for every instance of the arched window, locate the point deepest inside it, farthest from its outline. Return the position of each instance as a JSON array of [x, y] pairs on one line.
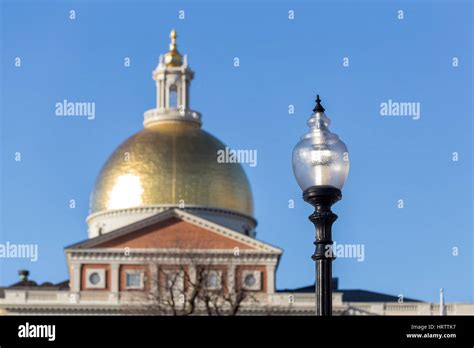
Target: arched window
[[173, 101]]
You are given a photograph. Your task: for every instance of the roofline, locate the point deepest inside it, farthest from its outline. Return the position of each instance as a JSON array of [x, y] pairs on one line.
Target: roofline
[[172, 251], [298, 291], [180, 214]]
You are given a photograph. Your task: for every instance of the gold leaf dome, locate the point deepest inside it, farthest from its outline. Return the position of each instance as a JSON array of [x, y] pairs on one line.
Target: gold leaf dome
[[171, 163]]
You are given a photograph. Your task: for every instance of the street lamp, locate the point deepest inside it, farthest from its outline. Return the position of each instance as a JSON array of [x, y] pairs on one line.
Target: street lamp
[[321, 166]]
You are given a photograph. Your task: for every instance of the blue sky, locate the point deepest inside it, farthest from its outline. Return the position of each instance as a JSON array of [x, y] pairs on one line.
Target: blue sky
[[408, 251]]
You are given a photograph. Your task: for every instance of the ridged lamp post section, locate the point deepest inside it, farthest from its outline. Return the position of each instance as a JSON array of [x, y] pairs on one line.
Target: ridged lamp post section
[[321, 166]]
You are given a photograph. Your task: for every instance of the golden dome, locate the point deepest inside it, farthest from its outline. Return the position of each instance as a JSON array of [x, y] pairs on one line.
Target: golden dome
[[171, 163]]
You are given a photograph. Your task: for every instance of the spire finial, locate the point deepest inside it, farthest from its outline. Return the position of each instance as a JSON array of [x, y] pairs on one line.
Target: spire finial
[[318, 107], [173, 57], [173, 36]]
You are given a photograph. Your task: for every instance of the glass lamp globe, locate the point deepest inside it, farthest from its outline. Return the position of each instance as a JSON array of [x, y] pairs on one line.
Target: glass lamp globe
[[320, 158]]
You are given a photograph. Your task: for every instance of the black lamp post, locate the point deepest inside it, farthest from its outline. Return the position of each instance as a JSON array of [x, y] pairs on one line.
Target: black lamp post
[[321, 166]]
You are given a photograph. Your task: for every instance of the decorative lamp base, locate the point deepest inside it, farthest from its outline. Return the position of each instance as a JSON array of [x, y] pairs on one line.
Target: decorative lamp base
[[322, 198]]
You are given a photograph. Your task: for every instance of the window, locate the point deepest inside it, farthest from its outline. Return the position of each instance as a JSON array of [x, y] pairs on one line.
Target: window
[[213, 280], [252, 280], [95, 278], [133, 280], [173, 101]]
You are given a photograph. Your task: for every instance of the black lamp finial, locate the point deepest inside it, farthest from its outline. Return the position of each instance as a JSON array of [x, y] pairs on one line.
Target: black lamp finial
[[318, 107]]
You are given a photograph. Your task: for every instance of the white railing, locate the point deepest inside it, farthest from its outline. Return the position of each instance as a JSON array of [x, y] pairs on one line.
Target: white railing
[[41, 296], [405, 308]]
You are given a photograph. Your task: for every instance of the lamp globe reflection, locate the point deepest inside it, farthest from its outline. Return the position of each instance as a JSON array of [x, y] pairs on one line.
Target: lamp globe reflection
[[320, 158], [321, 166]]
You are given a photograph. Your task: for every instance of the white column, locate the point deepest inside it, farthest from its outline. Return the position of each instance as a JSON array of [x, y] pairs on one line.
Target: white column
[[158, 94], [115, 279], [183, 92], [76, 277], [192, 273], [154, 279], [231, 277], [114, 286], [163, 93], [270, 279]]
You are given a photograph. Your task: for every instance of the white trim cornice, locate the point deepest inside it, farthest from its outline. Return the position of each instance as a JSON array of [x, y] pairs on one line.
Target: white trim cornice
[[135, 257]]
